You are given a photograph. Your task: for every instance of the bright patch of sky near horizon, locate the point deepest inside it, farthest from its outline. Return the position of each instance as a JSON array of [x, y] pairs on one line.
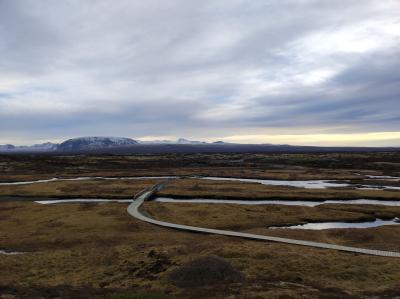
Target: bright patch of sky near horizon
[[297, 72]]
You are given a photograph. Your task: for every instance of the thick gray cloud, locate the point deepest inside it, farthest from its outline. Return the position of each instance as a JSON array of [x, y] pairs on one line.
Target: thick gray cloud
[[200, 69]]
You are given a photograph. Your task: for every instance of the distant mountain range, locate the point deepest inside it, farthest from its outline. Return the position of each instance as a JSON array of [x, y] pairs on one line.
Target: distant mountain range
[[178, 141], [123, 145], [43, 147], [90, 143], [93, 143]]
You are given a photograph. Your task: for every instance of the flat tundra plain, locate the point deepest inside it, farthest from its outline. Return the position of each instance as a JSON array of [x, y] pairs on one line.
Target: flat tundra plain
[[90, 250]]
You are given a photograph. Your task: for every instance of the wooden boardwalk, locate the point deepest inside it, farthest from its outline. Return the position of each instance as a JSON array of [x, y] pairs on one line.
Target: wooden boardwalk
[[133, 209]]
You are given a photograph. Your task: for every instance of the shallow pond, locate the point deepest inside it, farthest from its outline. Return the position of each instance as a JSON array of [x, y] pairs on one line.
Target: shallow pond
[[330, 225], [309, 184]]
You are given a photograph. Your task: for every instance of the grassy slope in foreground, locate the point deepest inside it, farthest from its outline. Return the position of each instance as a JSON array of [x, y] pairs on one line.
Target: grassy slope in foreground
[[101, 246]]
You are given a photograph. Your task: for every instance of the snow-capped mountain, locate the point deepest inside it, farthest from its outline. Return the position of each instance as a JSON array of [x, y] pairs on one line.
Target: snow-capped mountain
[[186, 141], [89, 143], [178, 141], [82, 144], [219, 142], [43, 147], [156, 142], [74, 144], [7, 147]]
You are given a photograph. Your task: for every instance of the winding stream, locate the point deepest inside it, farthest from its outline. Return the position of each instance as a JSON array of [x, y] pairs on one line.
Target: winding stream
[[85, 178], [393, 203], [308, 184], [5, 252], [384, 177], [80, 200]]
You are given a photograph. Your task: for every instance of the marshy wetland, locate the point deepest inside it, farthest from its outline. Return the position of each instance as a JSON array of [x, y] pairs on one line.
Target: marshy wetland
[[91, 249]]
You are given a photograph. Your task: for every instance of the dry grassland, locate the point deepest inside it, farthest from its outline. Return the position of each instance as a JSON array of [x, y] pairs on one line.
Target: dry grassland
[[195, 188], [100, 247]]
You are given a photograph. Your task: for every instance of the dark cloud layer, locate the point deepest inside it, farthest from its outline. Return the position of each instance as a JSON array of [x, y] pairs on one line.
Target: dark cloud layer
[[201, 69]]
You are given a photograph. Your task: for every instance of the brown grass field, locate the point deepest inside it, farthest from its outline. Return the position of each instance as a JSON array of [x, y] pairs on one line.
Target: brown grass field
[[269, 166], [95, 250], [195, 188], [79, 189], [99, 246], [256, 219]]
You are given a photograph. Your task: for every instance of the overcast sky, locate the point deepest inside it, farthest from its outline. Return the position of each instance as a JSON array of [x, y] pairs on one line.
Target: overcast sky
[[283, 71]]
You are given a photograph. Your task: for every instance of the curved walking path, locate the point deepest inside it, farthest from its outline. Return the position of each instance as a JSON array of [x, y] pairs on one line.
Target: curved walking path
[[133, 210]]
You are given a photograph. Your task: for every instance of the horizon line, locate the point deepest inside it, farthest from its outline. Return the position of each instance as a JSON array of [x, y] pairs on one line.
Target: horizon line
[[369, 139]]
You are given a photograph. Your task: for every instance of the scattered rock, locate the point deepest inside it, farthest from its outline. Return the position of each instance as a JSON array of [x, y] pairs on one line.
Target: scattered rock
[[152, 253]]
